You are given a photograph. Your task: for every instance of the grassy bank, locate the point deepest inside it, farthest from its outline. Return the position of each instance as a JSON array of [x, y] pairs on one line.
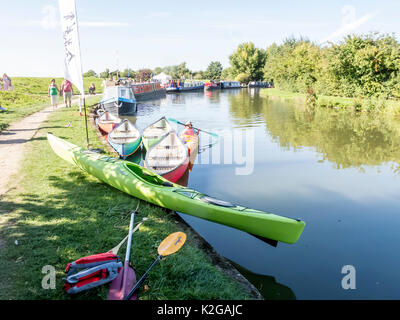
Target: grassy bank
[[29, 96], [57, 213], [323, 101]]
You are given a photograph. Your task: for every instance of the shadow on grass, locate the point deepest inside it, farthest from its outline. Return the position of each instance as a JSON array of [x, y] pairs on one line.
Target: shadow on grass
[[17, 141], [81, 218]]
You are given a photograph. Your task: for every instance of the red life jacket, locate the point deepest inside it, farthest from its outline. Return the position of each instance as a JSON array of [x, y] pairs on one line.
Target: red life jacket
[[96, 270]]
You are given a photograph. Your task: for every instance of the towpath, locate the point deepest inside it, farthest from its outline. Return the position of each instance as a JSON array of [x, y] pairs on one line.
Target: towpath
[[13, 141]]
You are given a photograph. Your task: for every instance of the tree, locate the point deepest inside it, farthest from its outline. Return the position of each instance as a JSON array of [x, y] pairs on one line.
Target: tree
[[214, 70], [243, 78], [248, 59], [199, 75], [178, 71], [90, 73], [143, 75], [157, 70], [226, 74], [105, 74], [128, 73]]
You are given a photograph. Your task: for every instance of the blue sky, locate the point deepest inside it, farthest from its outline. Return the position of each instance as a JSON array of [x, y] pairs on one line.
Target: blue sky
[[159, 33]]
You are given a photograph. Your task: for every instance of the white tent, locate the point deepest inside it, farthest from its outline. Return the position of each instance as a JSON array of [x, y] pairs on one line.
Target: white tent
[[162, 77]]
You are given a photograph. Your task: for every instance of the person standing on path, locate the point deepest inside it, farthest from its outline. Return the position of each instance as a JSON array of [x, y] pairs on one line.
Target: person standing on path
[[6, 82], [53, 93], [66, 90]]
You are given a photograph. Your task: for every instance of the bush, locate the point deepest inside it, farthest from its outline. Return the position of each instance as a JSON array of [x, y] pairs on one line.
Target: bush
[[243, 78]]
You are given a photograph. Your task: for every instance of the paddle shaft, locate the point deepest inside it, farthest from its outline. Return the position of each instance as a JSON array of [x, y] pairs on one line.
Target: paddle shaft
[[139, 283], [181, 123], [128, 251]]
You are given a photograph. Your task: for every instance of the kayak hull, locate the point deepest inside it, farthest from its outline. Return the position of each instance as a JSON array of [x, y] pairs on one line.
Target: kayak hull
[[146, 185]]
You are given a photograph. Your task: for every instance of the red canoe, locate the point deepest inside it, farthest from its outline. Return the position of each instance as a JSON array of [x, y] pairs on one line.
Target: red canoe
[[107, 122], [168, 158]]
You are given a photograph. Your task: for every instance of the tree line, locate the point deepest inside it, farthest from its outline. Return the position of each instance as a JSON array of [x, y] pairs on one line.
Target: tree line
[[359, 65], [180, 71]]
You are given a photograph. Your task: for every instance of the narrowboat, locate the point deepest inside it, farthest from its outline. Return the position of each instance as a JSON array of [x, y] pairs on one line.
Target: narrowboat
[[261, 84], [119, 100], [175, 86], [211, 86], [230, 85], [148, 90]]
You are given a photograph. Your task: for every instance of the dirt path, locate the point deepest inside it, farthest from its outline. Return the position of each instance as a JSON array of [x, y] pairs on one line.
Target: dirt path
[[13, 141]]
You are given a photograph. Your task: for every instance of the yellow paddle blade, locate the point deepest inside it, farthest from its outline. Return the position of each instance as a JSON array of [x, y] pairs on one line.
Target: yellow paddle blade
[[171, 244]]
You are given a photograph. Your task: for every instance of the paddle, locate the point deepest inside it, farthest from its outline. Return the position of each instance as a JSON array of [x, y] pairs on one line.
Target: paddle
[[169, 245], [116, 248], [178, 122], [121, 285]]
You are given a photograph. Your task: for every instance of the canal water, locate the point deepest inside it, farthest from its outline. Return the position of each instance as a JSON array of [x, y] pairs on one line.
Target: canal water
[[336, 170]]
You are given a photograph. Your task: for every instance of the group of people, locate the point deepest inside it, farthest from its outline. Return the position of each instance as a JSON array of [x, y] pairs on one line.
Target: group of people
[[65, 90], [5, 82]]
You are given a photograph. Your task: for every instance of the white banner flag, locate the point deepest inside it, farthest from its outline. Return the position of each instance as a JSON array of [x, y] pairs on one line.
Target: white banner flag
[[69, 25]]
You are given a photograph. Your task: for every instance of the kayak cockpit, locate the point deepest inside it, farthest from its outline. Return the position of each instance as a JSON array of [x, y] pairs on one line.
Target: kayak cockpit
[[147, 175]]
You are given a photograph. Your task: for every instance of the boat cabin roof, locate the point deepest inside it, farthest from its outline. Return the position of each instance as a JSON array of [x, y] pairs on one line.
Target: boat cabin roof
[[118, 92]]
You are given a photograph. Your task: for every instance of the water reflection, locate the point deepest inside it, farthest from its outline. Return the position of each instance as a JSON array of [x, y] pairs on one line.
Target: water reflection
[[344, 138]]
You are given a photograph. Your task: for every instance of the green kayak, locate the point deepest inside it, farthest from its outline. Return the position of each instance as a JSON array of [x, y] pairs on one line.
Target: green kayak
[[148, 186]]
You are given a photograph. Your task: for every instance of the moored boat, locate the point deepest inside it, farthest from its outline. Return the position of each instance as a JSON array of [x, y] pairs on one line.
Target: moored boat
[[261, 84], [230, 85], [180, 86], [155, 132], [119, 100], [148, 186], [211, 86], [125, 138], [168, 158], [107, 121], [148, 90]]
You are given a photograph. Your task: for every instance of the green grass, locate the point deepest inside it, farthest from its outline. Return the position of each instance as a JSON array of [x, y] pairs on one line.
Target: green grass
[[323, 101], [29, 96], [58, 213]]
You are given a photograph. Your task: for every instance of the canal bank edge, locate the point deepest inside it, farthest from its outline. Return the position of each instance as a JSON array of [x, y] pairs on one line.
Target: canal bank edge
[[219, 261], [358, 104]]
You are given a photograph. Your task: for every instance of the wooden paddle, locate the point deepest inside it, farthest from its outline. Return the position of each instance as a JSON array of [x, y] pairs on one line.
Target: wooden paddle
[[169, 245], [181, 123]]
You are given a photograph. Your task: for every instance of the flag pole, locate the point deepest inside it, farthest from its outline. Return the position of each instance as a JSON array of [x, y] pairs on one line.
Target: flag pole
[[83, 84], [86, 126]]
